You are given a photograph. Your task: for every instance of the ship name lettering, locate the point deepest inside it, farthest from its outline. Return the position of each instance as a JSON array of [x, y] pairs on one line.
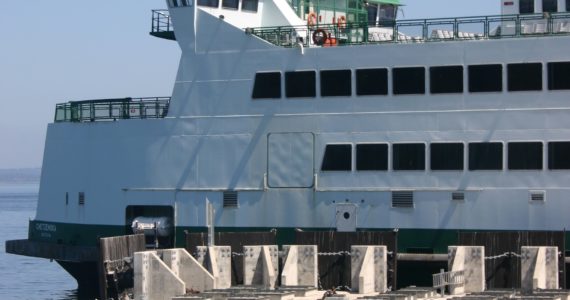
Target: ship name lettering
[[46, 227]]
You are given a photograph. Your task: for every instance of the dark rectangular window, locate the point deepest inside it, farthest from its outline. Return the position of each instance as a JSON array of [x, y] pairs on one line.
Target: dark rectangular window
[[526, 6], [249, 5], [409, 157], [371, 82], [559, 75], [550, 6], [568, 5], [409, 80], [559, 155], [525, 156], [337, 158], [210, 3], [175, 3], [301, 84], [485, 156], [524, 77], [446, 80], [336, 83], [267, 86], [446, 156], [230, 4], [485, 78], [371, 157]]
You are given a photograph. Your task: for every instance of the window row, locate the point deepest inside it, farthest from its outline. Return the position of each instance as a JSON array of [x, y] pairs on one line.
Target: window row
[[446, 156], [412, 80], [246, 5], [550, 6]]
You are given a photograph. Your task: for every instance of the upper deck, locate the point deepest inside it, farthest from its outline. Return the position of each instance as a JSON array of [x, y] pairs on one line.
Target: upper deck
[[399, 31]]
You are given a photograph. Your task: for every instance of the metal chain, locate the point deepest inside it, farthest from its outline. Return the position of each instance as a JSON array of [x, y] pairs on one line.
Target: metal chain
[[506, 254], [340, 253]]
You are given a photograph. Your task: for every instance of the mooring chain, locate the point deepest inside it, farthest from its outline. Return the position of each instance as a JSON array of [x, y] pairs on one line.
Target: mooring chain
[[506, 254], [340, 253]]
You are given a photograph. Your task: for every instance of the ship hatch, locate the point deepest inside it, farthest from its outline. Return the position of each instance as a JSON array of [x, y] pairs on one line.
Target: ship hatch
[[290, 160]]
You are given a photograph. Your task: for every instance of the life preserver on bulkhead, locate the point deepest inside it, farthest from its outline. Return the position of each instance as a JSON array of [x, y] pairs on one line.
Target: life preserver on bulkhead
[[312, 19], [341, 22], [320, 37]]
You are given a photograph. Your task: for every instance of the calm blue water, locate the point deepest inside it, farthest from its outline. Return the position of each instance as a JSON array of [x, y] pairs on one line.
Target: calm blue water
[[23, 277]]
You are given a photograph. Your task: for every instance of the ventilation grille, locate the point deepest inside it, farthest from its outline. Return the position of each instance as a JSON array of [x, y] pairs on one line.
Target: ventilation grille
[[231, 199], [458, 196], [402, 199], [537, 196], [81, 198]]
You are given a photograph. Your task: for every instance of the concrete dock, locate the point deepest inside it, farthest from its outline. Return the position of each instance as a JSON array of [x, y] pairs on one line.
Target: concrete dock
[[175, 274]]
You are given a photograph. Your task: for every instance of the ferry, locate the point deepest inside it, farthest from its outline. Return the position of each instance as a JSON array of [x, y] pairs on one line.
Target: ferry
[[292, 115]]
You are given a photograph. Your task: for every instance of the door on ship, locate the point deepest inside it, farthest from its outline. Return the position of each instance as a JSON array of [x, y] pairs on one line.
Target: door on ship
[[290, 160]]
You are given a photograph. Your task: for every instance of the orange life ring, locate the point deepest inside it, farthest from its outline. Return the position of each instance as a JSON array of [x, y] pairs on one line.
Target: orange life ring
[[312, 19], [341, 22]]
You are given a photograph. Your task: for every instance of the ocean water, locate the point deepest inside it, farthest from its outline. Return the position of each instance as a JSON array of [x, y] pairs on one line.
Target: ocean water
[[24, 277]]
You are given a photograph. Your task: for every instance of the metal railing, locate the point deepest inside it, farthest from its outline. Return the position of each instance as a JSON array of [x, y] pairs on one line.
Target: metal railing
[[448, 279], [112, 109], [419, 31], [161, 21], [162, 24]]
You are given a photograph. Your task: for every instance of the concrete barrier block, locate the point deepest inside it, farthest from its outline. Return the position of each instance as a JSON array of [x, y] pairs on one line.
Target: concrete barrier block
[[539, 268], [218, 261], [369, 269], [187, 268], [260, 265], [470, 259], [154, 279], [300, 267]]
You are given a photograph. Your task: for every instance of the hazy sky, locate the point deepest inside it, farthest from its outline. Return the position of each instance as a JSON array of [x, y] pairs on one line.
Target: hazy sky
[[57, 51]]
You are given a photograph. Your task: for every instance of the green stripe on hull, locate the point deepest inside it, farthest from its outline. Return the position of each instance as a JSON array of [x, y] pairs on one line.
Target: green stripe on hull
[[409, 240]]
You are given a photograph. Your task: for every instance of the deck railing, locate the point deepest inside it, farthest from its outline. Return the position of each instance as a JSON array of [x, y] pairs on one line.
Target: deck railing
[[112, 109], [162, 24], [418, 31]]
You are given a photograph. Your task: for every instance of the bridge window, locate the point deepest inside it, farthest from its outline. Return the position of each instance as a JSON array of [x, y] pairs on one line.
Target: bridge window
[[526, 6], [525, 156], [209, 3], [446, 80], [559, 155], [186, 2], [559, 75], [550, 6], [336, 83], [409, 157], [267, 86], [371, 82], [337, 158], [409, 80], [485, 78], [233, 4], [300, 84], [485, 156], [568, 5], [372, 157], [524, 77], [446, 156], [249, 5]]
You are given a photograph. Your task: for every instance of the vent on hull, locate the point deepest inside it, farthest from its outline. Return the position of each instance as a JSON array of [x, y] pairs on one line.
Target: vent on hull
[[231, 199], [403, 199], [537, 196]]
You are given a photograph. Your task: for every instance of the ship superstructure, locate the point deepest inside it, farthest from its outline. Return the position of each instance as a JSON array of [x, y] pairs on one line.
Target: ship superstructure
[[325, 115]]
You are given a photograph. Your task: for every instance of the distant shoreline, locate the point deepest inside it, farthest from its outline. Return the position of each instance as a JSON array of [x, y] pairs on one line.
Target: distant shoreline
[[24, 175]]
